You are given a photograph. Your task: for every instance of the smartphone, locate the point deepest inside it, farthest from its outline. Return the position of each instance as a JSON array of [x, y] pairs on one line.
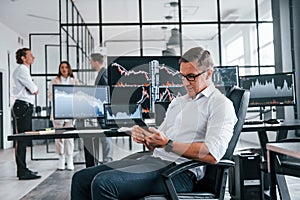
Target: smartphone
[[142, 124]]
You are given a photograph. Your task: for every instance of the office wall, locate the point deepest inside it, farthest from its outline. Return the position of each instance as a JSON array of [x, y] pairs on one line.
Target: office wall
[[8, 45], [296, 43], [282, 44]]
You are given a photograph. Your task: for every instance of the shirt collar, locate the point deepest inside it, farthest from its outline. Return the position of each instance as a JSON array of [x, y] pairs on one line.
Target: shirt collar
[[206, 92], [63, 79], [22, 65]]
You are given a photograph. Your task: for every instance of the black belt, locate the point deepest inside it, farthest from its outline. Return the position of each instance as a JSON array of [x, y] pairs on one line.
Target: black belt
[[24, 102]]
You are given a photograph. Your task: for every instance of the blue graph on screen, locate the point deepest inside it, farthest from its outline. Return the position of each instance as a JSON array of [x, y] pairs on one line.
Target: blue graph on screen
[[118, 112], [79, 102]]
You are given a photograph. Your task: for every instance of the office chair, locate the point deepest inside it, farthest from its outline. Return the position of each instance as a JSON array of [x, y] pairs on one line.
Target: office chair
[[213, 184]]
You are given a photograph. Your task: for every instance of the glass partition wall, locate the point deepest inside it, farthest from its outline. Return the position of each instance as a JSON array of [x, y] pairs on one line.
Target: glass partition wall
[[236, 32]]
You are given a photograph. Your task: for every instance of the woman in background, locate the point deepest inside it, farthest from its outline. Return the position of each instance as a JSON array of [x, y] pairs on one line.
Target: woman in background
[[64, 147]]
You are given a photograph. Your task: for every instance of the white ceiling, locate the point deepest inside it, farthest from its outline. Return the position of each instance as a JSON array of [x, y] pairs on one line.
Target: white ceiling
[[28, 16], [36, 16]]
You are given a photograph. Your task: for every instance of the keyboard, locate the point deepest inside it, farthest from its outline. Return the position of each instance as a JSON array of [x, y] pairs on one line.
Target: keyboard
[[253, 122]]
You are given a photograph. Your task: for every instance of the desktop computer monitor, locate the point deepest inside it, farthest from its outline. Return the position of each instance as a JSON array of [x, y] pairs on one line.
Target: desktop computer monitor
[[138, 79], [79, 101], [225, 76], [270, 89]]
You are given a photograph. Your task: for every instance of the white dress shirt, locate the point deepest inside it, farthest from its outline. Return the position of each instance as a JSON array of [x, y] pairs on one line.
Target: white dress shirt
[[22, 85], [65, 81], [209, 118]]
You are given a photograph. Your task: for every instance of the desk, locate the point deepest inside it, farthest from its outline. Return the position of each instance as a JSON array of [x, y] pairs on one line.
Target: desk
[[87, 133], [68, 134], [262, 129], [287, 148], [282, 129]]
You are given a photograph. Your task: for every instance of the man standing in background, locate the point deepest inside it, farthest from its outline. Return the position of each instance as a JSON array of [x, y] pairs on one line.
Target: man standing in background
[[96, 62], [23, 91]]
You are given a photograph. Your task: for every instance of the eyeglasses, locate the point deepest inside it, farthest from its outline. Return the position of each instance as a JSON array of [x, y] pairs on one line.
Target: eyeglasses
[[191, 77]]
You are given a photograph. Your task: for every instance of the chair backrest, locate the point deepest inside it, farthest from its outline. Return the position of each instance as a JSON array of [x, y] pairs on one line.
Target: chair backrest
[[212, 181]]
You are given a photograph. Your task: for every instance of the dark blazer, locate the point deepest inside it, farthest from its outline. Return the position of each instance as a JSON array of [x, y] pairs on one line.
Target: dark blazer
[[102, 77]]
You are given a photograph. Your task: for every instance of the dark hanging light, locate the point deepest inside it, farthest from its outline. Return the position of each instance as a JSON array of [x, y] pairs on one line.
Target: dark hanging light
[[174, 39], [169, 52]]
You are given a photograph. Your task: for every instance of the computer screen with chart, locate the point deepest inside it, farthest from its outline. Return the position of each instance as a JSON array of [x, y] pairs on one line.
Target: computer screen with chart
[[139, 79], [270, 89], [79, 101], [132, 95], [142, 70], [225, 76], [119, 115]]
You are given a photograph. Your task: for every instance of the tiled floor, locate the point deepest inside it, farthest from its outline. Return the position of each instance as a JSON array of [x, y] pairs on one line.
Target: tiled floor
[[12, 189]]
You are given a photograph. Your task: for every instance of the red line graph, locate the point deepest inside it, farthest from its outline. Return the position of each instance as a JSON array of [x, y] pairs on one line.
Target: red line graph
[[169, 70], [125, 72], [167, 94], [145, 95]]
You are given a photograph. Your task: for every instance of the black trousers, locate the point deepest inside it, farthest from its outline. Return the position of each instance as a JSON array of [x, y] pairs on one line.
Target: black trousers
[[91, 151], [22, 113]]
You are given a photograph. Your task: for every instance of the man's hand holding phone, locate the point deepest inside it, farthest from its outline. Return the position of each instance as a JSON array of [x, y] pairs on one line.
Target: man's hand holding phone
[[151, 138], [139, 134]]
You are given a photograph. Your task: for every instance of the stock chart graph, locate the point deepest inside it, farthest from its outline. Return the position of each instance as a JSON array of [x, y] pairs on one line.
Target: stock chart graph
[[273, 89], [169, 93], [137, 76], [144, 80], [132, 95], [169, 76]]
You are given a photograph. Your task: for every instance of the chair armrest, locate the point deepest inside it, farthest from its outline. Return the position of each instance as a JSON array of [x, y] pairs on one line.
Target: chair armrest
[[172, 171]]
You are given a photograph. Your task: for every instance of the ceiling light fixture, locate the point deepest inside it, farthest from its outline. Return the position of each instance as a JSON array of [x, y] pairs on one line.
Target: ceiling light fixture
[[174, 39], [169, 52]]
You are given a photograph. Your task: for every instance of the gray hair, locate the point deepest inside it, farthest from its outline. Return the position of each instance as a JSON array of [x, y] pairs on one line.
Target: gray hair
[[203, 57]]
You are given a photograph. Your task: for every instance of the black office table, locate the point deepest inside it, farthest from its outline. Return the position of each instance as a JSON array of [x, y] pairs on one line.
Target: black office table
[[68, 134], [282, 130], [289, 149], [59, 134]]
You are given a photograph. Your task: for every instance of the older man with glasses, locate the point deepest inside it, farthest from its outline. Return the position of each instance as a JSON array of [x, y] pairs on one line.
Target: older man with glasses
[[198, 126]]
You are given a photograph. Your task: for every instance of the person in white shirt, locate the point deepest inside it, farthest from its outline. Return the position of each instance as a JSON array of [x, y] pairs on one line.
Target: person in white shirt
[[64, 147], [23, 91], [198, 126]]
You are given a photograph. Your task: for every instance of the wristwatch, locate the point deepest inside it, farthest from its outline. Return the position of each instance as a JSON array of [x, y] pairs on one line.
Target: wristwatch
[[169, 146]]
